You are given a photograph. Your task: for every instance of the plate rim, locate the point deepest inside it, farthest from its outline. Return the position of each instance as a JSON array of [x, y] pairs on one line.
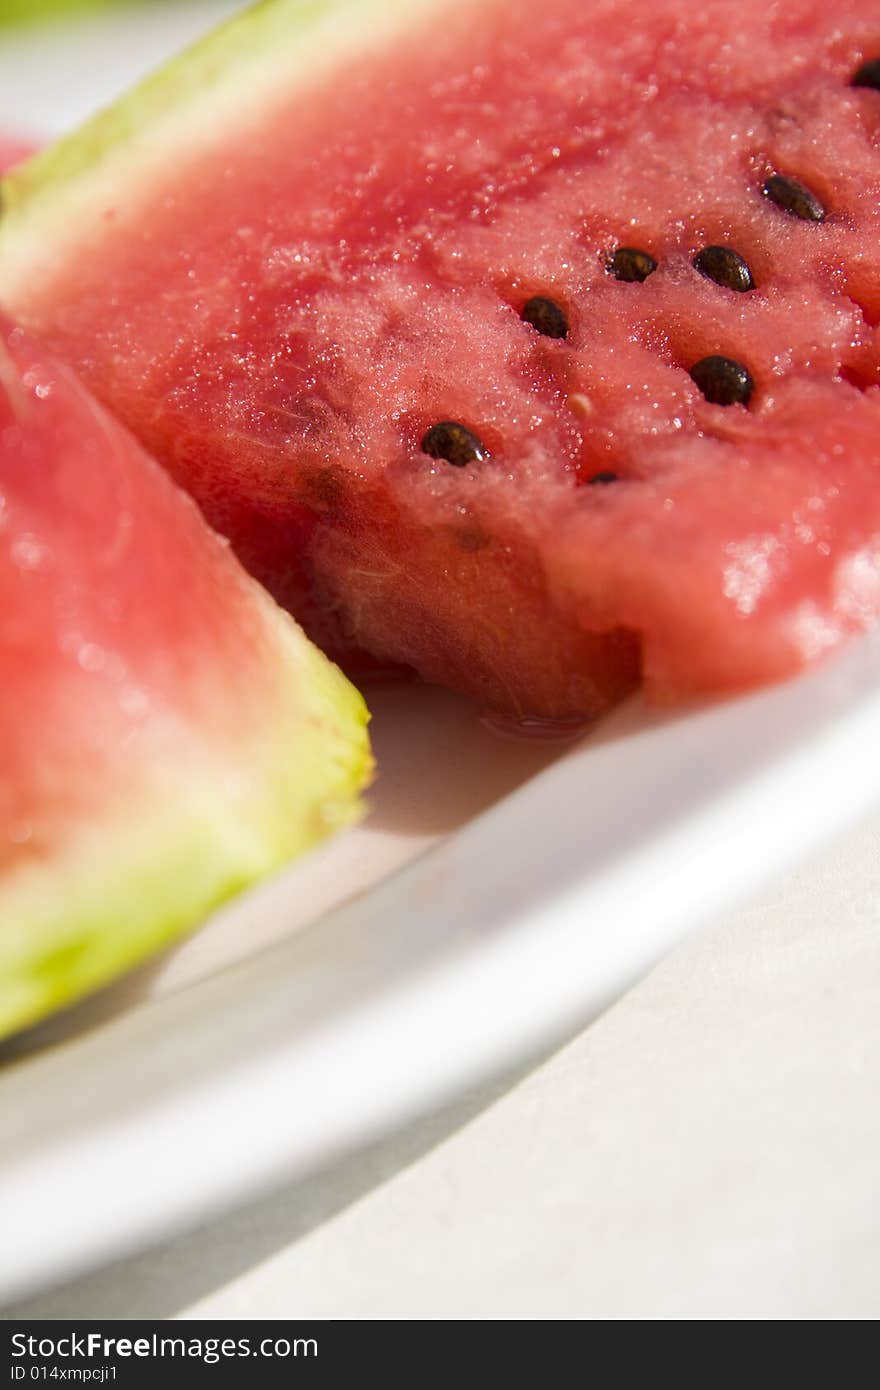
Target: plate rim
[[464, 961]]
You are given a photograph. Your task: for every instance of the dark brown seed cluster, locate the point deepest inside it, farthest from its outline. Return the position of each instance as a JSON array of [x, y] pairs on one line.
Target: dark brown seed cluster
[[546, 317], [603, 479], [723, 381], [631, 265], [725, 267], [793, 198], [455, 443], [868, 75]]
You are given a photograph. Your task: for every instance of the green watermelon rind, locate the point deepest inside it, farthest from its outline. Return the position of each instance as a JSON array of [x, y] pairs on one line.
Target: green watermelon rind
[[275, 46], [131, 884]]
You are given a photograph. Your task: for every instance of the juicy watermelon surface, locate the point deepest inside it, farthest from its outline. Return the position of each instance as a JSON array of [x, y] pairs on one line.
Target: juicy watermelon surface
[[167, 735], [13, 150], [341, 260], [100, 654]]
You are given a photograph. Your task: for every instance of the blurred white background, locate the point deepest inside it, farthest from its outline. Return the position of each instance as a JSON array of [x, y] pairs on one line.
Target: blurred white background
[[57, 71]]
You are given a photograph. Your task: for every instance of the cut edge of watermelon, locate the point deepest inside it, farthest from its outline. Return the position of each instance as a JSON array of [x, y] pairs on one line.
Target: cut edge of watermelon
[[274, 45], [135, 879]]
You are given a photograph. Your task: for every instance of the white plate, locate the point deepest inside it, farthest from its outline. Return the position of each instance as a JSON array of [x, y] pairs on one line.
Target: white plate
[[511, 931], [256, 1051]]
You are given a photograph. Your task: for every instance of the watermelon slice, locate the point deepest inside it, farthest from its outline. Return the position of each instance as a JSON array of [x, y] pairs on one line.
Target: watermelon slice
[[167, 734], [535, 347]]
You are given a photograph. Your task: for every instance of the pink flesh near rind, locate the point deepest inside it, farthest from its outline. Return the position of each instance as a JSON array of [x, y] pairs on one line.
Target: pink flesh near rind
[[130, 637], [119, 611], [283, 316], [13, 150], [167, 734]]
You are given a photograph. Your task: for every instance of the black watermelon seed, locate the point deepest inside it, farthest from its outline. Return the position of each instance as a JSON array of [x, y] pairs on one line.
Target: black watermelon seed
[[868, 75], [454, 443], [601, 479], [546, 316], [725, 267], [723, 381], [792, 197], [631, 265]]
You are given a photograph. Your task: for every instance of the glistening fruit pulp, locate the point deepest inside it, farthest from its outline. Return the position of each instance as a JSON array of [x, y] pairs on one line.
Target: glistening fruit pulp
[[292, 262], [167, 734]]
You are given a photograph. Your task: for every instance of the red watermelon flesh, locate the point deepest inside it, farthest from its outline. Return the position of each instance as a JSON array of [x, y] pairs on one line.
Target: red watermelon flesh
[[13, 150], [167, 734], [317, 236]]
